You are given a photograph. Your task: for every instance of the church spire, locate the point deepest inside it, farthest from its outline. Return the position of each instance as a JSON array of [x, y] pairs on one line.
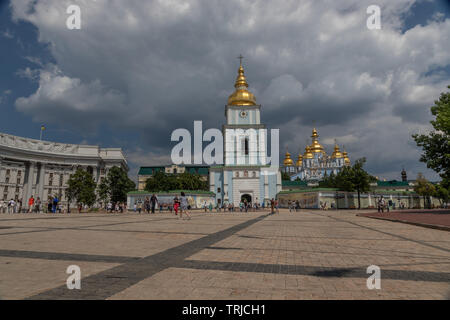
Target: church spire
[[241, 96]]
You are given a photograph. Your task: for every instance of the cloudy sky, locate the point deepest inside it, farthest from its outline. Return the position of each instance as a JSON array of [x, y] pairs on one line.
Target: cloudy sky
[[138, 69]]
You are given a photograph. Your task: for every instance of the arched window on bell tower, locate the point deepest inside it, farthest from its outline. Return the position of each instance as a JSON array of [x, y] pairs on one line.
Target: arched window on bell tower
[[246, 146]]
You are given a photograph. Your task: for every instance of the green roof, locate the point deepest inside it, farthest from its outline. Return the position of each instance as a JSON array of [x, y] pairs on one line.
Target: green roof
[[289, 183], [309, 190], [392, 183], [147, 171]]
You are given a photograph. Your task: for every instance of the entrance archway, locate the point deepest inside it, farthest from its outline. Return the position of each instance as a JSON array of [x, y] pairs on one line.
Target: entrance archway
[[246, 197]]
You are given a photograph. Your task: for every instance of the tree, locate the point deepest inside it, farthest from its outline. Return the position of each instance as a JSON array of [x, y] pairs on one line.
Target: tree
[[442, 194], [161, 181], [189, 181], [285, 176], [328, 181], [81, 188], [115, 186], [424, 188], [354, 178], [103, 191], [436, 145]]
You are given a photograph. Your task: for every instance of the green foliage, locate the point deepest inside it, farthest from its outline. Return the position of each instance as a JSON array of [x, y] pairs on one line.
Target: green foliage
[[115, 186], [161, 181], [442, 193], [436, 145], [285, 176], [424, 188], [350, 179], [81, 188]]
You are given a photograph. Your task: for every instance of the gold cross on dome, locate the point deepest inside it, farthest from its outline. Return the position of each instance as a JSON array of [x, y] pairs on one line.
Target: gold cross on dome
[[240, 59]]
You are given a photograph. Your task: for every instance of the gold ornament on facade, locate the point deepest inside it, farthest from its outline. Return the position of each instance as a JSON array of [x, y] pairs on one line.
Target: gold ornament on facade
[[241, 96], [316, 147], [308, 154], [287, 160], [346, 158], [299, 162], [337, 153]]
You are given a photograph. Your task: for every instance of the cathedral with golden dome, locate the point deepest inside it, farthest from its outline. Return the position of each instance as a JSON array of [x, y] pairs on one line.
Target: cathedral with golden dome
[[245, 175], [314, 164]]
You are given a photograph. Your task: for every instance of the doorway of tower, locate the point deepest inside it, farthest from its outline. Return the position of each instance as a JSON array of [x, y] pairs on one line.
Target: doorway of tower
[[246, 198]]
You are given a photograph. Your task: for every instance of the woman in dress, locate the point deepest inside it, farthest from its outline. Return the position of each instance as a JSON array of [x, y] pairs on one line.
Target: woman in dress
[[184, 206]]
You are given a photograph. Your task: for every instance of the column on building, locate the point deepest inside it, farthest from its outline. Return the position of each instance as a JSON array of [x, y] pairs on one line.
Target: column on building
[[40, 183], [28, 186]]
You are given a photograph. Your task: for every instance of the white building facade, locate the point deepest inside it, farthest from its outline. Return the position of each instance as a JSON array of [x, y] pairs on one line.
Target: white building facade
[[42, 168], [245, 174]]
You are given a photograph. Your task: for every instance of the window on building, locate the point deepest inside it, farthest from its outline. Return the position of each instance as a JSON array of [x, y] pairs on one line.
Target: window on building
[[17, 189], [218, 189], [8, 171], [5, 196], [7, 179], [18, 180], [61, 180], [6, 188], [19, 173], [246, 146], [50, 192]]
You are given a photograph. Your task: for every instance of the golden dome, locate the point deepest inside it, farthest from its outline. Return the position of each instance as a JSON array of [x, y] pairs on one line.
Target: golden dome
[[337, 153], [316, 147], [287, 160], [346, 158], [299, 162], [308, 154], [241, 96]]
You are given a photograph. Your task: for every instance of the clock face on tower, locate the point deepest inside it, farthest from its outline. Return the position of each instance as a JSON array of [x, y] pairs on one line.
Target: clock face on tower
[[243, 114]]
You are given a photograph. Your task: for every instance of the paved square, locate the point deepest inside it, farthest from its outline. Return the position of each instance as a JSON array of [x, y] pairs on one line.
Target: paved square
[[301, 255]]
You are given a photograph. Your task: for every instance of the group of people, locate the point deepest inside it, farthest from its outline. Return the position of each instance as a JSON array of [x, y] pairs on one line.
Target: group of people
[[179, 205], [118, 207], [34, 205], [293, 205], [382, 205]]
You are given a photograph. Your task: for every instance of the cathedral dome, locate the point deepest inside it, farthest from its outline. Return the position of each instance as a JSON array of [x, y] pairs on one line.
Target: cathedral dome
[[241, 96], [287, 160], [346, 158], [299, 162], [316, 147], [337, 153], [308, 154]]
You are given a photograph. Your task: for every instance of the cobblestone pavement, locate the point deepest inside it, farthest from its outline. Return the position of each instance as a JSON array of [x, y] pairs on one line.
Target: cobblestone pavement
[[301, 255], [436, 218]]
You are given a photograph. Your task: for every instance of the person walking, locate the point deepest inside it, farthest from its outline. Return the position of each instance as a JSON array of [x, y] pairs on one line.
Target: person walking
[[272, 206], [37, 207], [184, 206], [153, 201], [176, 205], [30, 204]]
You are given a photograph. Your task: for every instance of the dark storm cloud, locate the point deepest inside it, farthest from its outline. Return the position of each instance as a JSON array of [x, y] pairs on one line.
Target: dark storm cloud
[[154, 66]]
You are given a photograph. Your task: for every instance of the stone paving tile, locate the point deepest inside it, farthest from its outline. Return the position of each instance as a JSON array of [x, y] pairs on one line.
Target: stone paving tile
[[21, 277], [303, 255]]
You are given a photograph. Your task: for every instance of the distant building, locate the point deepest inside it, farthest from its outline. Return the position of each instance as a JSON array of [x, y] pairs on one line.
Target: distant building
[[314, 164], [146, 172], [42, 168]]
